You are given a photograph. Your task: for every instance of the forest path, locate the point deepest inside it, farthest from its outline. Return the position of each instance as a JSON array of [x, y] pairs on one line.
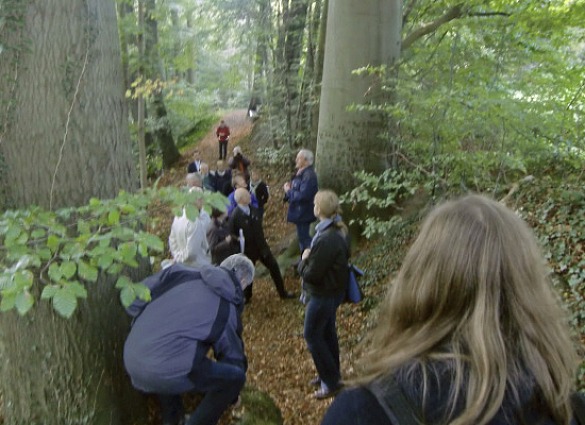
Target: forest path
[[279, 362]]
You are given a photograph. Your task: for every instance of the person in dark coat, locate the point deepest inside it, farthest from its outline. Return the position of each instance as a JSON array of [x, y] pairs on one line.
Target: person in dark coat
[[191, 312], [299, 193], [221, 243], [195, 165], [245, 220], [239, 163], [471, 331], [259, 189], [324, 271], [238, 181], [222, 179]]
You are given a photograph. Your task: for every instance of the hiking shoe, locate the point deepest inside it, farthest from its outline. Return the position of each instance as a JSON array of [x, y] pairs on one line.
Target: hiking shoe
[[315, 382], [322, 393]]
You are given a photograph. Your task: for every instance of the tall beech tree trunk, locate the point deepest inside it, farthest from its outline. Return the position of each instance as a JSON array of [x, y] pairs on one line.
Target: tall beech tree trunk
[[163, 134], [65, 139], [358, 34]]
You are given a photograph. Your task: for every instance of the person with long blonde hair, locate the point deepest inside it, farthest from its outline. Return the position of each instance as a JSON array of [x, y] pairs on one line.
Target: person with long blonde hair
[[324, 270], [471, 331]]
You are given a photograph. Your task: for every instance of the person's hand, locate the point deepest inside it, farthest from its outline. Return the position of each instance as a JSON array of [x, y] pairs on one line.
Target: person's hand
[[286, 186], [306, 253]]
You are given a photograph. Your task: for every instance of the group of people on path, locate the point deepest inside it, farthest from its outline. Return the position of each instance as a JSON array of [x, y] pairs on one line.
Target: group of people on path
[[471, 331]]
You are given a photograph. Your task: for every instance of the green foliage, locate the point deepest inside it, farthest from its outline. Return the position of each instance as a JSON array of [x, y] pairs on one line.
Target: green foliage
[[60, 254], [378, 198], [556, 211], [276, 157]]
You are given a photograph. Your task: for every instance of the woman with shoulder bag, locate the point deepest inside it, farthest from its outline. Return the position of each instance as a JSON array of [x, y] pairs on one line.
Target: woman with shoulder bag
[[323, 268], [471, 331]]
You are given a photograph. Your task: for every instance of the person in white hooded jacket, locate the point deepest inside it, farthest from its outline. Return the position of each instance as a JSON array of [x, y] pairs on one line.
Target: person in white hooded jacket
[[188, 239]]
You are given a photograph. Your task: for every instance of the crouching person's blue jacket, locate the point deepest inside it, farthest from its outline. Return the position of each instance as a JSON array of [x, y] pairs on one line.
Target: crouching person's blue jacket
[[191, 311]]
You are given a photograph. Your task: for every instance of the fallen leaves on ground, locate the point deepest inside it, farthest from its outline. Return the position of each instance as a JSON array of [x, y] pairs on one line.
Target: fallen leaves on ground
[[278, 359]]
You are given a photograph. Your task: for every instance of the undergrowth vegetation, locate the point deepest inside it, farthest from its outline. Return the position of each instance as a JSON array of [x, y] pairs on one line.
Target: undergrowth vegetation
[[552, 202]]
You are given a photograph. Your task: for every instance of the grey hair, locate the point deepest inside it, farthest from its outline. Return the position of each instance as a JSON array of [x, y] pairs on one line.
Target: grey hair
[[242, 266], [308, 155], [194, 179]]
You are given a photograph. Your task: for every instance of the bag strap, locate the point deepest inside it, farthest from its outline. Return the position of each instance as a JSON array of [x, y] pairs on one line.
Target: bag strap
[[578, 405], [394, 402]]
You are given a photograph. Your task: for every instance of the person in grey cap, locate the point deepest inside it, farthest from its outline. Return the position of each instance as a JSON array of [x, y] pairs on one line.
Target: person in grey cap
[[191, 312]]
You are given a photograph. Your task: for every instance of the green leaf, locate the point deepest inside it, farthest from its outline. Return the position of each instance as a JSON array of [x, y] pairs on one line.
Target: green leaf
[[142, 292], [105, 260], [44, 254], [24, 302], [123, 282], [128, 209], [191, 212], [7, 302], [83, 227], [49, 291], [68, 269], [127, 296], [115, 268], [77, 289], [64, 302], [53, 242], [113, 217], [87, 271], [152, 241], [23, 279], [12, 232], [55, 272], [5, 281]]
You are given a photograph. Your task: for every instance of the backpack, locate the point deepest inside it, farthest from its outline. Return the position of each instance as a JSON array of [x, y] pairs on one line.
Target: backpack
[[400, 411]]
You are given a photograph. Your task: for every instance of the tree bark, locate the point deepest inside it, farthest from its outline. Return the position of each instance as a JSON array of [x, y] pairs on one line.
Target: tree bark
[[358, 34], [56, 371], [65, 139], [163, 134]]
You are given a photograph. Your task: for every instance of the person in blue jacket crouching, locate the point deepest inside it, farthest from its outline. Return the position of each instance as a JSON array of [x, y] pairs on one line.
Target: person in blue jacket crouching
[[191, 312]]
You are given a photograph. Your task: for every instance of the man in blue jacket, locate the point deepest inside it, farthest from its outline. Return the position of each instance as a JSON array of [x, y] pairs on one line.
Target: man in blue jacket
[[191, 311], [299, 193]]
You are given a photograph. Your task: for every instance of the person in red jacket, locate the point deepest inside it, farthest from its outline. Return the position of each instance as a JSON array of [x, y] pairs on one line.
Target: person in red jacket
[[223, 136]]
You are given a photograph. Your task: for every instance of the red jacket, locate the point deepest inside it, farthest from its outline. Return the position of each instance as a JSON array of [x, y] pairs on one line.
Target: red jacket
[[223, 132]]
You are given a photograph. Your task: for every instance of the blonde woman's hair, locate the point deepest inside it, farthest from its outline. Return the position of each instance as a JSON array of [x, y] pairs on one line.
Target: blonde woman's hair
[[474, 291], [328, 203]]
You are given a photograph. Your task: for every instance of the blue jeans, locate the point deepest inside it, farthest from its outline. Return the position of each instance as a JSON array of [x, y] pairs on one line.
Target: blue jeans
[[221, 383], [321, 336], [304, 236]]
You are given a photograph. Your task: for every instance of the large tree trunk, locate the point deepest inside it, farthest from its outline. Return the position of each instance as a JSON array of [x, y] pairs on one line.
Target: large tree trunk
[[65, 139], [358, 34], [56, 371], [163, 133]]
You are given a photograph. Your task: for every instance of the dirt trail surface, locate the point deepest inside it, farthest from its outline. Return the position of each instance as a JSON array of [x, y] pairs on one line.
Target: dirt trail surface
[[279, 362]]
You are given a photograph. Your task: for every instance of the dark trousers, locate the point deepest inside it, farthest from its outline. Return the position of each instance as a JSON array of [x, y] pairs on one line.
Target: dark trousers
[[304, 236], [221, 383], [321, 336], [272, 265], [223, 149]]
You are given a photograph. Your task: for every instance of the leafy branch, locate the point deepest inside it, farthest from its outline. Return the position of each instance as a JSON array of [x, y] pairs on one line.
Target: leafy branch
[[57, 254]]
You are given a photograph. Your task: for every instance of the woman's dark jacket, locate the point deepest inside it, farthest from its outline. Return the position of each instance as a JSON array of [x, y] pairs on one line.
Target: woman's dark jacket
[[325, 270], [359, 405]]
